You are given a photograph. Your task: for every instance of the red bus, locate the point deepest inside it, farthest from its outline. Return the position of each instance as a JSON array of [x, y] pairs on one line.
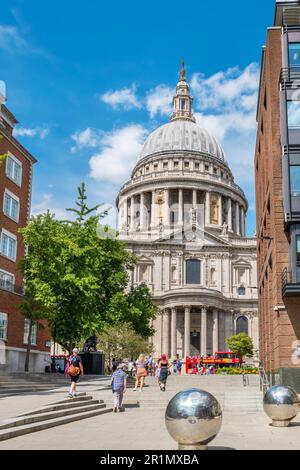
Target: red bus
[[219, 359]]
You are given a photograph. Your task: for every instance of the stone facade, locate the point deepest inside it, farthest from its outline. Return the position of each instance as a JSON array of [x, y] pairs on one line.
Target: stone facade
[[17, 185], [183, 216]]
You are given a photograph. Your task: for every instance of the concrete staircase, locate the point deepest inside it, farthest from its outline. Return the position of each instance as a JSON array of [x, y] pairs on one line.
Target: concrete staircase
[[55, 414]]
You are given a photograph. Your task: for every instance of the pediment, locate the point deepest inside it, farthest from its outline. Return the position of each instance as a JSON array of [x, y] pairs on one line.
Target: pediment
[[194, 235]]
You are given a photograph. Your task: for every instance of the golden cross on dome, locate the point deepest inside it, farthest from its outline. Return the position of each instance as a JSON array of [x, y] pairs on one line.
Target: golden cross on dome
[[182, 71]]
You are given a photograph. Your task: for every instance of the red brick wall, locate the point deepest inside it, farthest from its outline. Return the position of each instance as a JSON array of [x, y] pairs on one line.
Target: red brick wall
[[277, 330], [9, 301]]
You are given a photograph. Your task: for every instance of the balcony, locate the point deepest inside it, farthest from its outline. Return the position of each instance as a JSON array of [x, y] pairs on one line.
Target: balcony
[[290, 288], [290, 77], [10, 287]]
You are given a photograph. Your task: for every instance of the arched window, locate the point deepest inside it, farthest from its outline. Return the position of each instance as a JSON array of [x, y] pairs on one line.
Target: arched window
[[242, 325], [193, 271]]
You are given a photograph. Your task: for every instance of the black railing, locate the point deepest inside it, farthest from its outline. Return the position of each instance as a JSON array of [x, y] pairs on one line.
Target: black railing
[[289, 76], [286, 278], [10, 287]]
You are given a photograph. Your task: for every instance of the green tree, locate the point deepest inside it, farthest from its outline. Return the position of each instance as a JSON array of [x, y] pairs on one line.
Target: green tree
[[241, 345], [122, 342], [79, 278]]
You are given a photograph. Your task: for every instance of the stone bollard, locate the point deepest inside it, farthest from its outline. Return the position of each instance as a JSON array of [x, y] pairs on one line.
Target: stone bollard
[[281, 404], [193, 418]]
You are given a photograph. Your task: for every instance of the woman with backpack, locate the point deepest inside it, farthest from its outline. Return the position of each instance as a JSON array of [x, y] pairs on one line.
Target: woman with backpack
[[74, 369], [164, 372]]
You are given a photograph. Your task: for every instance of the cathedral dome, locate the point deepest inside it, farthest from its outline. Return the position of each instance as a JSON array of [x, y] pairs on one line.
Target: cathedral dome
[[180, 135]]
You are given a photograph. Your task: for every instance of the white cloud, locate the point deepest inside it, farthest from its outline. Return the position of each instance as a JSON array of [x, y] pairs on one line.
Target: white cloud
[[126, 98], [118, 154], [159, 101], [89, 138], [40, 132], [46, 203], [11, 40]]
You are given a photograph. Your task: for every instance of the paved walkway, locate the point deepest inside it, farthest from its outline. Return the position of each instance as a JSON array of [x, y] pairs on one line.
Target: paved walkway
[[245, 426]]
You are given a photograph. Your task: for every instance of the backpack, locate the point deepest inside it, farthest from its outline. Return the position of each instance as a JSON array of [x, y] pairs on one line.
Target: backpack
[[74, 369]]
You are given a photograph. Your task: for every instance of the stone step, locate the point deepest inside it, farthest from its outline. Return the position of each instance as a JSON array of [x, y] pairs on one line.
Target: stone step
[[44, 415], [71, 404], [16, 431], [80, 397]]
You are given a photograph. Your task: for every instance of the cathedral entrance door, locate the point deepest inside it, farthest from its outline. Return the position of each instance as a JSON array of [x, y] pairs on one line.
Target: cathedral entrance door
[[195, 343]]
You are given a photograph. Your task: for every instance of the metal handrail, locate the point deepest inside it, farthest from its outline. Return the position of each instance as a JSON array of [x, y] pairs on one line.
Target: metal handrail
[[264, 383]]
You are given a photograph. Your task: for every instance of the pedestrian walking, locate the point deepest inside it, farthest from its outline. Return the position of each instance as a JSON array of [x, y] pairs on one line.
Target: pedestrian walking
[[74, 369], [164, 372], [141, 372], [157, 372], [118, 385], [179, 366]]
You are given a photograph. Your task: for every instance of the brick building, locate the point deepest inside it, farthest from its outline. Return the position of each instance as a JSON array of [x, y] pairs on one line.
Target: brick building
[[15, 197], [277, 172]]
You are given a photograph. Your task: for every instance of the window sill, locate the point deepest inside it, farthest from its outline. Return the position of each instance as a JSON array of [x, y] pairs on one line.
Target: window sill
[[11, 218], [13, 260], [14, 181]]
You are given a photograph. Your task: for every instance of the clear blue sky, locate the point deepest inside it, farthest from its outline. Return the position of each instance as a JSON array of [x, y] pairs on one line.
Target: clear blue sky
[[84, 78]]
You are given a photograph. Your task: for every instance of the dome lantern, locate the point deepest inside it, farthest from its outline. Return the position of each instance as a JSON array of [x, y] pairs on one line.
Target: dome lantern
[[182, 100]]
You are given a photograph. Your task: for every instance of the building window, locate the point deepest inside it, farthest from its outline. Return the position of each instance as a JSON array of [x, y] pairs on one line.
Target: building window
[[294, 54], [215, 171], [155, 166], [182, 105], [197, 166], [33, 332], [186, 164], [242, 325], [165, 165], [193, 271], [147, 169], [293, 109], [11, 206], [3, 326], [176, 165], [143, 273], [206, 168], [7, 281], [295, 180], [14, 170], [8, 246], [298, 247], [241, 291]]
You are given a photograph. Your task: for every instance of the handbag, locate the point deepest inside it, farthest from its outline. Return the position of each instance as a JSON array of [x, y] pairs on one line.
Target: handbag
[[73, 370]]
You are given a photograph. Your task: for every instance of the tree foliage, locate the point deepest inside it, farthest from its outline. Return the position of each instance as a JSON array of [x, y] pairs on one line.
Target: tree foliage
[[123, 342], [79, 278], [241, 345]]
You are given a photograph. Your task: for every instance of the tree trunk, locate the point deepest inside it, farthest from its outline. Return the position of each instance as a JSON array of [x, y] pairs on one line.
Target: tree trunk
[[28, 346]]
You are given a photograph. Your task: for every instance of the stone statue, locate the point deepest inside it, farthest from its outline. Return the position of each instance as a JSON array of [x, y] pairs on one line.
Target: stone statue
[[224, 229], [90, 344], [193, 216]]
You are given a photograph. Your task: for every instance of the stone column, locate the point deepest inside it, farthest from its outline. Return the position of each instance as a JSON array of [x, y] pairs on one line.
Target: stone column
[[243, 222], [187, 330], [194, 198], [132, 214], [166, 329], [207, 208], [215, 331], [203, 331], [237, 218], [229, 215], [173, 332], [153, 210], [220, 209], [120, 218], [142, 211], [180, 206], [167, 207]]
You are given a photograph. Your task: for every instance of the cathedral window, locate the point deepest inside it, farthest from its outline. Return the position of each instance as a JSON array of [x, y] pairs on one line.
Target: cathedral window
[[206, 167], [193, 271], [241, 291], [143, 273], [197, 166], [176, 164], [186, 164], [165, 165], [242, 325], [182, 105]]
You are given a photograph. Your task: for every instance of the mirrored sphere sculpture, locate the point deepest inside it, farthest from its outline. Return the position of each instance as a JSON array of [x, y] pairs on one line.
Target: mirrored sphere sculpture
[[281, 404], [193, 418]]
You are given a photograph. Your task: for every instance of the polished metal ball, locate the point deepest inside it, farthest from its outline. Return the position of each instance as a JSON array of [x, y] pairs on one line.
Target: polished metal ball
[[281, 404], [193, 417]]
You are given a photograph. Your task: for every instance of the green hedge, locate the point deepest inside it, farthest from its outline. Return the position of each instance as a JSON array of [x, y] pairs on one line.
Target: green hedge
[[237, 371]]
